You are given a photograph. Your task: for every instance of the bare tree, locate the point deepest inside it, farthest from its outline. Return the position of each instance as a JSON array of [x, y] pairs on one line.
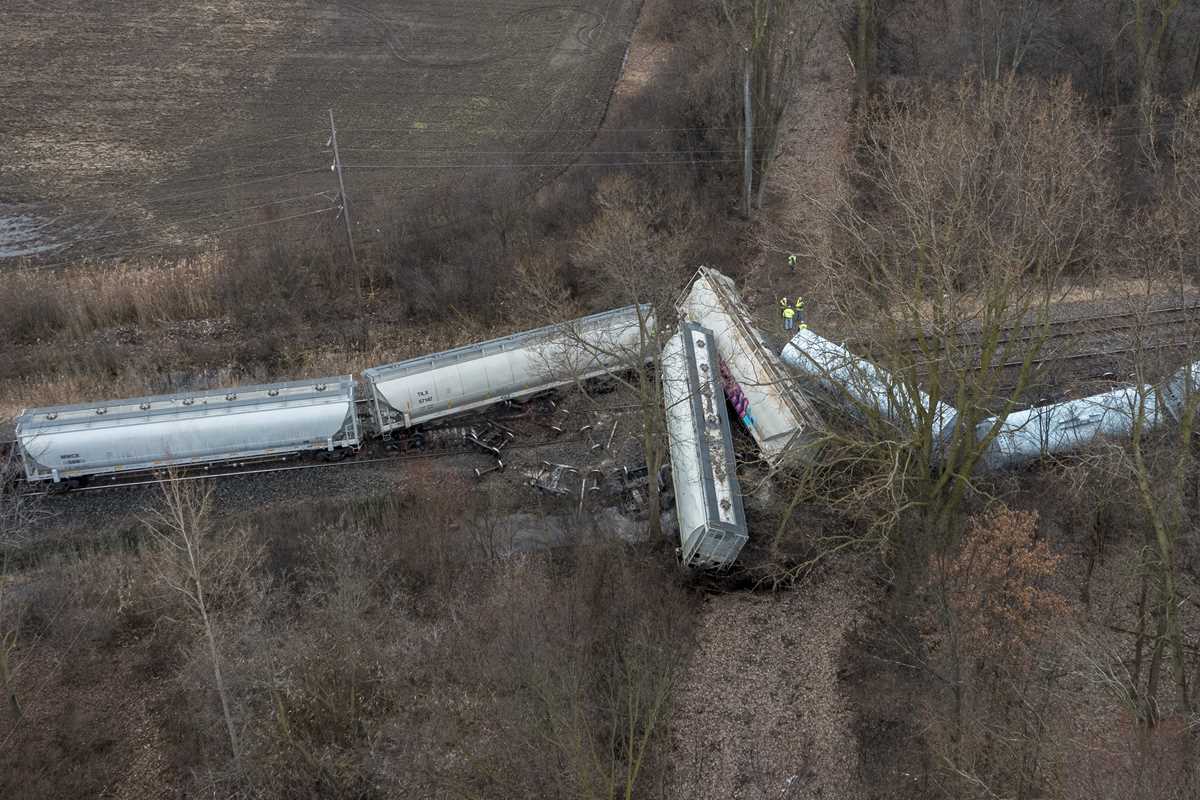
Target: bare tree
[[15, 518], [773, 37], [17, 511], [1163, 468], [183, 529], [632, 253], [11, 619], [989, 614], [976, 205], [1006, 31], [1149, 27]]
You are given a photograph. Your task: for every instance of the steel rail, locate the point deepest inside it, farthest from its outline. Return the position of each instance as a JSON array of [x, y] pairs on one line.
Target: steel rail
[[397, 457], [1057, 327]]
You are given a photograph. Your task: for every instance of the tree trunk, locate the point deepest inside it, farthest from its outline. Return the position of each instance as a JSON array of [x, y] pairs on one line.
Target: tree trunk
[[1195, 79], [6, 676], [1156, 659], [1139, 642], [748, 135], [864, 56], [217, 677]]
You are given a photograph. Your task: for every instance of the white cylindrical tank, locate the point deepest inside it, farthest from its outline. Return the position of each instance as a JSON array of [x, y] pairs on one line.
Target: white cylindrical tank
[[1032, 433], [708, 499], [152, 433], [860, 385], [782, 420], [428, 388]]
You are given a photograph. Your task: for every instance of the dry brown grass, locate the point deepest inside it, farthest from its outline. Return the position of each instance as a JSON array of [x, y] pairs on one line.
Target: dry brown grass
[[76, 303]]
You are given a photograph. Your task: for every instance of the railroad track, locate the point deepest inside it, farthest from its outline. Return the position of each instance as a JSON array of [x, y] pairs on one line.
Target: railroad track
[[233, 469], [1092, 355], [390, 457], [1102, 324]]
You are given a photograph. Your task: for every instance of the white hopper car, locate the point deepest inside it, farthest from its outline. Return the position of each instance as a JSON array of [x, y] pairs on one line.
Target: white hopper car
[[784, 423], [428, 388], [708, 499], [67, 444]]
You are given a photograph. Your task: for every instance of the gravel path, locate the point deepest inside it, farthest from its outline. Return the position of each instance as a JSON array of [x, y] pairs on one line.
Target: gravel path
[[760, 713]]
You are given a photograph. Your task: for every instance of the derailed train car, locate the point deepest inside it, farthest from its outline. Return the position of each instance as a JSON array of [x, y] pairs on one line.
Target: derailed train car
[[68, 445], [1022, 436], [1060, 428], [783, 422], [428, 388], [863, 389], [708, 498], [72, 443]]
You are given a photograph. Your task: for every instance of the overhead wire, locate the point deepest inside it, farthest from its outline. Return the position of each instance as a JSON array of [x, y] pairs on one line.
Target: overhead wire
[[599, 131], [167, 225], [159, 248], [702, 158], [581, 151], [170, 181], [566, 164]]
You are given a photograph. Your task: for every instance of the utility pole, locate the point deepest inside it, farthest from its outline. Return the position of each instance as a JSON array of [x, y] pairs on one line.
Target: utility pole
[[748, 115], [344, 201]]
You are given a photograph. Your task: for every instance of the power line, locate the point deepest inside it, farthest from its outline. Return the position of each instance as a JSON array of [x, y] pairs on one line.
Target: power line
[[159, 248], [222, 173], [568, 164], [598, 130], [127, 231], [316, 132], [185, 195], [581, 151], [223, 187]]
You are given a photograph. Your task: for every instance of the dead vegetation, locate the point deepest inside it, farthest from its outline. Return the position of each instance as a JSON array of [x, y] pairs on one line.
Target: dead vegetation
[[1031, 634], [380, 644]]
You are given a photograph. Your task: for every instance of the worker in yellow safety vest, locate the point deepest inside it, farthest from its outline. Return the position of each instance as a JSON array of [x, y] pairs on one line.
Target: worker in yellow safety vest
[[800, 313], [789, 316]]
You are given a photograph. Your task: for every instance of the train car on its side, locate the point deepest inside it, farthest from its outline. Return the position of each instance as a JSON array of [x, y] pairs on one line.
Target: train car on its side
[[708, 499], [429, 388], [781, 419], [73, 443]]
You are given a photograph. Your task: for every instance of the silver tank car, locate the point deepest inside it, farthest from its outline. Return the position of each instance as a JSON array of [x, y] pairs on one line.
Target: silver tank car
[[428, 388], [860, 386], [1031, 433], [782, 421], [151, 433], [708, 499]]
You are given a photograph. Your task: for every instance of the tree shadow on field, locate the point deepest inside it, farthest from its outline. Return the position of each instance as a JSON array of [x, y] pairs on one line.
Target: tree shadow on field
[[894, 760]]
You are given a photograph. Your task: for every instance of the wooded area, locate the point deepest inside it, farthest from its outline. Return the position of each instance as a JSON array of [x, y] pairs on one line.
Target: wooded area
[[1029, 633]]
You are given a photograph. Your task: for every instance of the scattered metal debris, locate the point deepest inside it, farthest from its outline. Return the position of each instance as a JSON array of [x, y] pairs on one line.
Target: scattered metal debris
[[549, 478], [593, 444], [596, 476], [491, 438], [479, 473]]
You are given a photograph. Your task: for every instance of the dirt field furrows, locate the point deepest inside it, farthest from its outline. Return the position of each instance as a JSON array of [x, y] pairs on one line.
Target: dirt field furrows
[[147, 122]]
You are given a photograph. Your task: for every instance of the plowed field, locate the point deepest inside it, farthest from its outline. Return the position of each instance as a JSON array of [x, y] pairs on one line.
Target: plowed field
[[141, 123]]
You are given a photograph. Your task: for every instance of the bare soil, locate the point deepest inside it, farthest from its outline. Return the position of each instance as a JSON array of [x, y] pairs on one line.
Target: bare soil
[[151, 122], [761, 712]]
